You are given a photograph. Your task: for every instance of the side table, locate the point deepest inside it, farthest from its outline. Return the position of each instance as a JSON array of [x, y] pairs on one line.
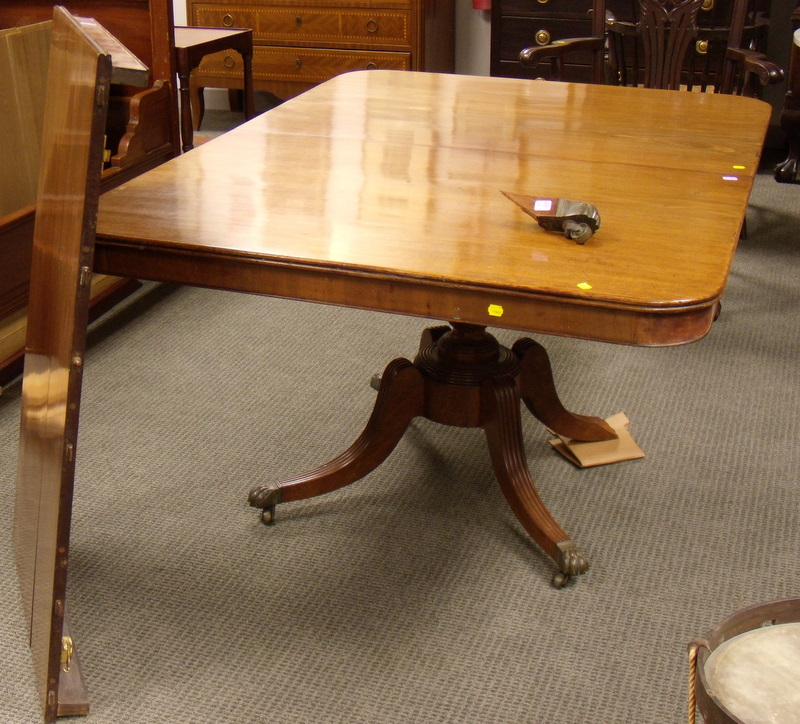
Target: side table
[[192, 44]]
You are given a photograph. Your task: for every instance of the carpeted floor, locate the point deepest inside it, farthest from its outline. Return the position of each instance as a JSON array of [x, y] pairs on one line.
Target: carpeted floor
[[413, 596]]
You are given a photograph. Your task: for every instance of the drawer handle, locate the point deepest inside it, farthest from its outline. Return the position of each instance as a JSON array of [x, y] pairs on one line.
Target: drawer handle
[[707, 5], [372, 65], [227, 20], [542, 37], [372, 25], [229, 61], [701, 46], [298, 21], [543, 2], [298, 63]]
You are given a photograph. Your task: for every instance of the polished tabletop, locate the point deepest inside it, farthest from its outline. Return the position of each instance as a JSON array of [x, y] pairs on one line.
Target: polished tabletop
[[382, 190], [188, 36]]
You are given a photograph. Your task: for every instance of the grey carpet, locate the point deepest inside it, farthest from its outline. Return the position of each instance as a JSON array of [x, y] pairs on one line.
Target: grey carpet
[[412, 596]]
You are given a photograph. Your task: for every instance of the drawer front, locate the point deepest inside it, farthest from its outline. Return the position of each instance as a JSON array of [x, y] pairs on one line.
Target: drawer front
[[538, 8], [527, 32], [315, 26], [572, 73], [306, 65]]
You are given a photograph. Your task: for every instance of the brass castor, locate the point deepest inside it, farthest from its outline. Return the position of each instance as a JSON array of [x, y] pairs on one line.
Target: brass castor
[[268, 515], [560, 580]]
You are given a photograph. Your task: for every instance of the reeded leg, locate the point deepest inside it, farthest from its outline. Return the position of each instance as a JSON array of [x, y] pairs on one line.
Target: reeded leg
[[538, 391], [400, 399], [500, 420]]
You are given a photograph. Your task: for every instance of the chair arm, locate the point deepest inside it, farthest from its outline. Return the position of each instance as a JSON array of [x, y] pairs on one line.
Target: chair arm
[[531, 57], [754, 62]]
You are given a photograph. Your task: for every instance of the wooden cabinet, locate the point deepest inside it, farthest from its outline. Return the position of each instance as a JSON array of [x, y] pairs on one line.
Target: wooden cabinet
[[300, 43]]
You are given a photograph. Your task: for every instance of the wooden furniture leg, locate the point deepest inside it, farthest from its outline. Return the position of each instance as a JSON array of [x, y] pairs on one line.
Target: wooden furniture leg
[[187, 130], [192, 44], [400, 400], [501, 423], [198, 101], [787, 170], [538, 391], [462, 377]]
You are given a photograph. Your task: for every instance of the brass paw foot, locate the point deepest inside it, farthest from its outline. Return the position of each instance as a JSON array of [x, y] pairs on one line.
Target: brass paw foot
[[266, 497], [572, 563]]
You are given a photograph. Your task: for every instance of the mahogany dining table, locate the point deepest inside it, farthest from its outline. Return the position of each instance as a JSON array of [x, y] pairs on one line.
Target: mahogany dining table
[[385, 190]]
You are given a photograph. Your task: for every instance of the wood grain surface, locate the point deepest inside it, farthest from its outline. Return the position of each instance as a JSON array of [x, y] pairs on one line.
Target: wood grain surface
[[382, 190]]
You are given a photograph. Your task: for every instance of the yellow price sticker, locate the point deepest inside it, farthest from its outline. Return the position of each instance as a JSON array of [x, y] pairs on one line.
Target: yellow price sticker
[[584, 285], [495, 310]]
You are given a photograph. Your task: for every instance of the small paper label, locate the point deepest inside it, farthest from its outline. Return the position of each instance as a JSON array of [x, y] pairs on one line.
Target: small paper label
[[543, 204]]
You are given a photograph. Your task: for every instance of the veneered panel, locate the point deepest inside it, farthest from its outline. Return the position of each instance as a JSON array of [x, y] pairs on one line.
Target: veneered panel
[[69, 176]]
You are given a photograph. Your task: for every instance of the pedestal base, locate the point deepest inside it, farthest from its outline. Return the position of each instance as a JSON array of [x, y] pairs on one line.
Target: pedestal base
[[463, 377]]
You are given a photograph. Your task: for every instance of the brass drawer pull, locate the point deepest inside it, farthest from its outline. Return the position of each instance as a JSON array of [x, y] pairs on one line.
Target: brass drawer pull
[[701, 46], [543, 2], [372, 65], [298, 63], [227, 20], [707, 5], [542, 37], [229, 61], [298, 21], [372, 25]]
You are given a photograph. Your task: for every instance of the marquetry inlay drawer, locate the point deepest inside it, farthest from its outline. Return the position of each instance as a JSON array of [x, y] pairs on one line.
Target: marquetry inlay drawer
[[299, 43], [311, 25], [307, 65]]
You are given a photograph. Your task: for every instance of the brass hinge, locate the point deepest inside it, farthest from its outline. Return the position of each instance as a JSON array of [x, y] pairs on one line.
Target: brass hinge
[[67, 651]]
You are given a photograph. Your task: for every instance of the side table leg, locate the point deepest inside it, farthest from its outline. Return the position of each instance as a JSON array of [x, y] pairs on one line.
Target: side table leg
[[500, 420], [400, 399], [187, 132], [249, 100]]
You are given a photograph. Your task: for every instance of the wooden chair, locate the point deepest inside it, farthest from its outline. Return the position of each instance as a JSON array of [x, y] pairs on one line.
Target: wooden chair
[[84, 61], [652, 50]]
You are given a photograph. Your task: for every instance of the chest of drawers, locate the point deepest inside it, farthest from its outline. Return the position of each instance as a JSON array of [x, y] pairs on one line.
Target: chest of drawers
[[300, 43]]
